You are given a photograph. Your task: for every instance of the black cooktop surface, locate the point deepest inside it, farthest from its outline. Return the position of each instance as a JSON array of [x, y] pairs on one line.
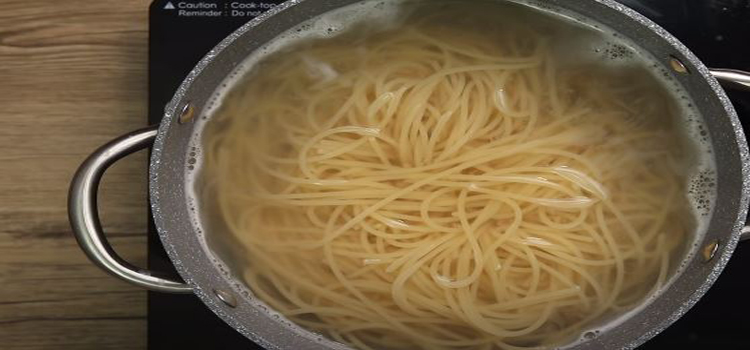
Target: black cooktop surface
[[181, 32]]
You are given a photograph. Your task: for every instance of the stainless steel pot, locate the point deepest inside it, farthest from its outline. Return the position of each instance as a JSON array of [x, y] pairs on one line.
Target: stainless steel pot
[[222, 294]]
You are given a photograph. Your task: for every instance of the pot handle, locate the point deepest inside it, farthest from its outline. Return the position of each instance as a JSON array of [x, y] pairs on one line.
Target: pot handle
[[84, 215], [739, 79]]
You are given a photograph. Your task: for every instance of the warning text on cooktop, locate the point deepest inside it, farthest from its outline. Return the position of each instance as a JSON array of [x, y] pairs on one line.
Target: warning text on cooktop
[[224, 9]]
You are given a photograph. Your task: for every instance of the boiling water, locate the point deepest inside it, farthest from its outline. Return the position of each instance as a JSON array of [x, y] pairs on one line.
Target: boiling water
[[579, 41]]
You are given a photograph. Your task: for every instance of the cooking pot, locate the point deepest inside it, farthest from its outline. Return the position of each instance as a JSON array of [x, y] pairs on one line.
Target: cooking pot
[[172, 202]]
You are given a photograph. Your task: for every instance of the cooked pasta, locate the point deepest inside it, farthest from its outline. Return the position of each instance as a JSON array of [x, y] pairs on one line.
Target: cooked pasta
[[435, 186]]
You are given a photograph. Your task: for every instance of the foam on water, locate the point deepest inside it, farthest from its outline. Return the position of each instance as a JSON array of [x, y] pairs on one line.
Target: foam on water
[[604, 46]]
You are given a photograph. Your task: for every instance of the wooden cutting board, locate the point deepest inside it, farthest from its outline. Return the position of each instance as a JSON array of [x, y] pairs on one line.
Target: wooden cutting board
[[72, 76]]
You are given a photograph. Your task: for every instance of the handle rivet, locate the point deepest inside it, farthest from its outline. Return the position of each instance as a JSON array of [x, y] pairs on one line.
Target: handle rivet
[[227, 298], [710, 250], [745, 233], [186, 114], [678, 66]]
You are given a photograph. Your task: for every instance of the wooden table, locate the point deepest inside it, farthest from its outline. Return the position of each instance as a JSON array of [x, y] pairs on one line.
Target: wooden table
[[72, 76]]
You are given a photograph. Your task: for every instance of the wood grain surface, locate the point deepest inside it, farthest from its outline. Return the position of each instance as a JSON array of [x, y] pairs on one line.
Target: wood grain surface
[[72, 76]]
